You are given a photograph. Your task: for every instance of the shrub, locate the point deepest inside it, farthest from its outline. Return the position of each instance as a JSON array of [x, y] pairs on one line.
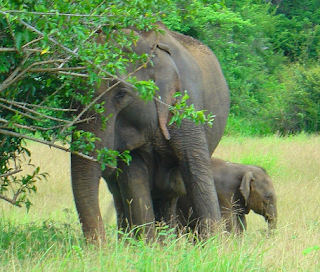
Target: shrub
[[299, 108]]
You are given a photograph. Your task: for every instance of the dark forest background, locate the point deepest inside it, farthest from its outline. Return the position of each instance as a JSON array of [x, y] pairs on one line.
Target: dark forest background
[[269, 52]]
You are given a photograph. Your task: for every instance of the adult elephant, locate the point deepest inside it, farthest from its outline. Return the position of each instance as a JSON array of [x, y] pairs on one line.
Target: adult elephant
[[179, 63]]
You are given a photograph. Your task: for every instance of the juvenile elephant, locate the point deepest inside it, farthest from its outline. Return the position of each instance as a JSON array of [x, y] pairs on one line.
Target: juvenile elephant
[[240, 188], [178, 63]]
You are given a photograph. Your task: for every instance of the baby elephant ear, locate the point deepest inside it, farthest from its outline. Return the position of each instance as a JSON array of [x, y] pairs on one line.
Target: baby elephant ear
[[245, 185]]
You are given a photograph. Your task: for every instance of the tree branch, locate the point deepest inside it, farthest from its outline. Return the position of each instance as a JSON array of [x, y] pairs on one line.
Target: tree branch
[[31, 111], [8, 81], [10, 173], [39, 106], [15, 134], [16, 50], [60, 14], [12, 201], [54, 70], [15, 76]]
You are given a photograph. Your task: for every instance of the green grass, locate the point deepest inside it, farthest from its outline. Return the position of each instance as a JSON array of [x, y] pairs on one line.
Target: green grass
[[58, 247], [49, 237]]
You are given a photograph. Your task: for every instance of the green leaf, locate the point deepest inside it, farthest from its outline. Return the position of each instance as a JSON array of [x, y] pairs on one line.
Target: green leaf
[[18, 40], [310, 249]]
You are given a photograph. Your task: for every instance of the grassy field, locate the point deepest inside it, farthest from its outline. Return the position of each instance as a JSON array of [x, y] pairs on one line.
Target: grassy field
[[48, 238]]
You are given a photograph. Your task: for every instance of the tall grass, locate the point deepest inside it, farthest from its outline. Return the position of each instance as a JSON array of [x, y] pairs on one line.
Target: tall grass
[[49, 238]]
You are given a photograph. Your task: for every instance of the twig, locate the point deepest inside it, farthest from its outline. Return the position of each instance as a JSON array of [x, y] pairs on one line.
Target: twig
[[54, 93], [34, 112], [58, 69], [17, 125], [73, 74], [15, 76], [31, 42], [10, 173], [9, 80], [35, 128], [15, 134], [39, 106], [54, 13], [16, 50], [12, 201]]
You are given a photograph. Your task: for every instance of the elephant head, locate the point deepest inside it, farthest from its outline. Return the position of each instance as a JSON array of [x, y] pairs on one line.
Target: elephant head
[[259, 194]]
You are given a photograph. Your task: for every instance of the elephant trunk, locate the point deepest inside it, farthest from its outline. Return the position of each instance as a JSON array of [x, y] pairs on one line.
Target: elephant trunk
[[85, 176], [271, 218], [272, 224]]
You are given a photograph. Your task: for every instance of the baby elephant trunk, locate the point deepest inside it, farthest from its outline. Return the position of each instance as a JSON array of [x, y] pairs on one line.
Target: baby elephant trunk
[[272, 224], [271, 218]]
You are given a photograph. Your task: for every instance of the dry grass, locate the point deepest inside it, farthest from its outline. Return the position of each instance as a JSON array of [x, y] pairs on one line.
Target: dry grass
[[293, 164], [54, 199]]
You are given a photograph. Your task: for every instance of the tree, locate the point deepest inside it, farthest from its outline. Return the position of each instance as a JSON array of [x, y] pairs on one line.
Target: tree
[[47, 55]]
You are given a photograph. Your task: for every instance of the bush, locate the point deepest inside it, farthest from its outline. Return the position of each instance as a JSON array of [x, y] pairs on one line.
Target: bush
[[241, 39], [299, 108]]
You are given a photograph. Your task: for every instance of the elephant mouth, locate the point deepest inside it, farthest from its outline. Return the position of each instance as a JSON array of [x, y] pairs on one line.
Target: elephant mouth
[[272, 221]]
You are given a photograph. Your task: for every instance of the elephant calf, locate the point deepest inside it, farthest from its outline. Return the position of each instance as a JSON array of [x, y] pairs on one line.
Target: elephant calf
[[240, 188]]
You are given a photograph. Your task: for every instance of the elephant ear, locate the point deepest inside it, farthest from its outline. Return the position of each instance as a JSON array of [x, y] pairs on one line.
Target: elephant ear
[[168, 81], [245, 187]]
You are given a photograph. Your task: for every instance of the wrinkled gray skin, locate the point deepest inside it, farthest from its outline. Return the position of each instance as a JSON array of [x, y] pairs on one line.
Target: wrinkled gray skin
[[240, 188], [158, 150]]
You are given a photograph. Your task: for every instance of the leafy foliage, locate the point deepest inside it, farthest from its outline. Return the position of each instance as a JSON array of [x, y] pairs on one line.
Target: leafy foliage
[[254, 40], [182, 111], [299, 108], [53, 61], [47, 56]]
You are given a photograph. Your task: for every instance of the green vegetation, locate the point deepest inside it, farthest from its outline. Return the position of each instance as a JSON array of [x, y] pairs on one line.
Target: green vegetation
[[270, 57], [269, 52], [49, 53]]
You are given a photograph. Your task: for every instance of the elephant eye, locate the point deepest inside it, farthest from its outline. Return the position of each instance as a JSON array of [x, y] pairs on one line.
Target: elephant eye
[[121, 93], [268, 197]]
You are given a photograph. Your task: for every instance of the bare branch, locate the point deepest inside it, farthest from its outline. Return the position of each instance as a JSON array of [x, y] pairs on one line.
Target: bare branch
[[60, 14], [15, 134], [12, 201], [58, 69], [31, 42], [73, 74], [32, 111], [16, 50], [10, 173], [8, 81], [39, 106], [15, 76], [17, 125]]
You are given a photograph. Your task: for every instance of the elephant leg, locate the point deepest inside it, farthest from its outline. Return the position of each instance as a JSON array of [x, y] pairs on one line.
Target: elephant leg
[[114, 189], [165, 210], [134, 183], [85, 176], [195, 166]]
